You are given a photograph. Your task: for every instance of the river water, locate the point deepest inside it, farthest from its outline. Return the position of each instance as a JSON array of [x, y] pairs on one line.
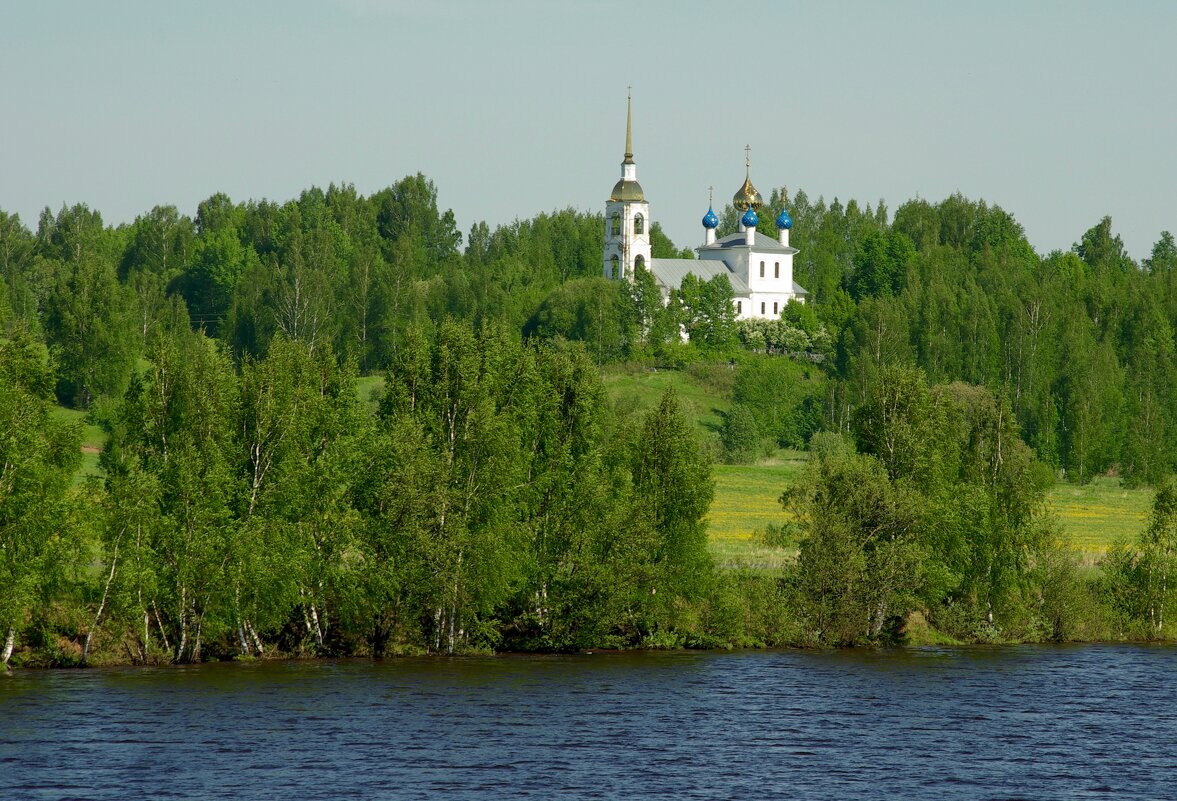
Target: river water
[[953, 723]]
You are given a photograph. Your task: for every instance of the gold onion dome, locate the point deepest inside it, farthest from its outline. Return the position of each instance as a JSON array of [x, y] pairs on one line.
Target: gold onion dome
[[747, 197]]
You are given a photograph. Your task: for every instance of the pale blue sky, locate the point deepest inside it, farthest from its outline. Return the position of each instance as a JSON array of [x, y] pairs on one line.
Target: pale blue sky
[[1058, 112]]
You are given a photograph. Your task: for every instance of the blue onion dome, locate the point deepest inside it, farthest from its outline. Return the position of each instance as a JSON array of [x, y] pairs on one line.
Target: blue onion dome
[[710, 221], [784, 221], [749, 219]]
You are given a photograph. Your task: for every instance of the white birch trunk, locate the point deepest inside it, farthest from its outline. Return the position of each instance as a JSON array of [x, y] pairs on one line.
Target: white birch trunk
[[257, 641], [9, 644], [102, 604]]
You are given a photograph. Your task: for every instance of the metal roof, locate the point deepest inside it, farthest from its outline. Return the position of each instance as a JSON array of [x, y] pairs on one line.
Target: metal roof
[[669, 273], [764, 243]]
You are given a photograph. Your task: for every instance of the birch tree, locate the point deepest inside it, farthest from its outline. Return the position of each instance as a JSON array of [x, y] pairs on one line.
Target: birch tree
[[38, 455]]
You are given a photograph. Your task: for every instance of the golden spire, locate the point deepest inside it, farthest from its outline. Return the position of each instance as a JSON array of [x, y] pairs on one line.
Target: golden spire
[[628, 126]]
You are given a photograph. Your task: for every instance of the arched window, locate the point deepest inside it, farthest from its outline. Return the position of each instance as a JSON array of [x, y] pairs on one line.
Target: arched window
[[639, 224], [775, 310], [761, 269], [616, 224], [776, 273], [613, 271], [639, 263]]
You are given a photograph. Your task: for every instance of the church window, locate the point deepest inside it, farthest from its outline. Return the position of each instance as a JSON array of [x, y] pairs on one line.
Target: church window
[[761, 269], [639, 224], [639, 262], [613, 271], [762, 307], [776, 273], [775, 310], [616, 224], [739, 307]]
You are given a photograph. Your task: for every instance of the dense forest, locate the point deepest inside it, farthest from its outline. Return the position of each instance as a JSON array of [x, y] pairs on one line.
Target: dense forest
[[491, 497]]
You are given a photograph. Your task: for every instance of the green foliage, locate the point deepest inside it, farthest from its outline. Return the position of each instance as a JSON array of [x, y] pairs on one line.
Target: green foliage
[[1138, 578], [741, 435], [89, 317], [251, 503], [858, 574], [706, 311], [784, 397], [944, 489], [38, 454], [586, 310]]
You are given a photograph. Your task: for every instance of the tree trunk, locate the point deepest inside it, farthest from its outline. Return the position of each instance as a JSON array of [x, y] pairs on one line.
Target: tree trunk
[[257, 641], [318, 630], [9, 644], [183, 626], [102, 605]]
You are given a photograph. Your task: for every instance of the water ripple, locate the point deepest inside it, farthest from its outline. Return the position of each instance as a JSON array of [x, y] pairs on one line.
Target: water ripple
[[968, 723]]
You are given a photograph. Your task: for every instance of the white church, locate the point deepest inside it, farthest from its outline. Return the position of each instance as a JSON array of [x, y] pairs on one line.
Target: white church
[[759, 267]]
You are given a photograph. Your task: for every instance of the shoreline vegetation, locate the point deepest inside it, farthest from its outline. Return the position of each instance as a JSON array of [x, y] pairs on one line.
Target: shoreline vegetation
[[325, 429]]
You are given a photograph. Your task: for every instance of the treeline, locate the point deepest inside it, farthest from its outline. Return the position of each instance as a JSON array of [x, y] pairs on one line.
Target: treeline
[[493, 500], [339, 271], [1080, 342]]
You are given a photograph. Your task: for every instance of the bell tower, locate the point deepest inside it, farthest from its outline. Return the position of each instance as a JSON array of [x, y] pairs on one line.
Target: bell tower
[[627, 216]]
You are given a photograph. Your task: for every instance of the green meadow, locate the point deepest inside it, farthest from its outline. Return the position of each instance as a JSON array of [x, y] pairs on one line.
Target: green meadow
[[1095, 515], [1092, 516]]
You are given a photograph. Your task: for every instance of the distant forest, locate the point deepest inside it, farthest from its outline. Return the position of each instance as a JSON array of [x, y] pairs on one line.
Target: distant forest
[[494, 498], [1079, 342]]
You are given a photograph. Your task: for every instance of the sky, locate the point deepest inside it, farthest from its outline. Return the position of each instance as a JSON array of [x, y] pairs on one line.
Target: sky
[[1059, 112]]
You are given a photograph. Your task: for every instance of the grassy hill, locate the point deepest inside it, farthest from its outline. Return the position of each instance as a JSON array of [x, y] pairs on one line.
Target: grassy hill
[[703, 392]]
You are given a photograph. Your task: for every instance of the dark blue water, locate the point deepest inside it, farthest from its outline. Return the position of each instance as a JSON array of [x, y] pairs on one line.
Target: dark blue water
[[1026, 722]]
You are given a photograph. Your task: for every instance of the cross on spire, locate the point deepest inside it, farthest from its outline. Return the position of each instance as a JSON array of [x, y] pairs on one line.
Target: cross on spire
[[748, 159]]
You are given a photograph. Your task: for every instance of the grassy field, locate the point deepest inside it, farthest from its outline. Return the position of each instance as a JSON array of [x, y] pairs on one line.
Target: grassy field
[[747, 502], [369, 387], [703, 402], [1093, 516]]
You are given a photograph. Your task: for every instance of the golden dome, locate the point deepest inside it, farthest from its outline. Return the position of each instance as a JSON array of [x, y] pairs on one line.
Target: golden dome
[[630, 191], [747, 197]]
